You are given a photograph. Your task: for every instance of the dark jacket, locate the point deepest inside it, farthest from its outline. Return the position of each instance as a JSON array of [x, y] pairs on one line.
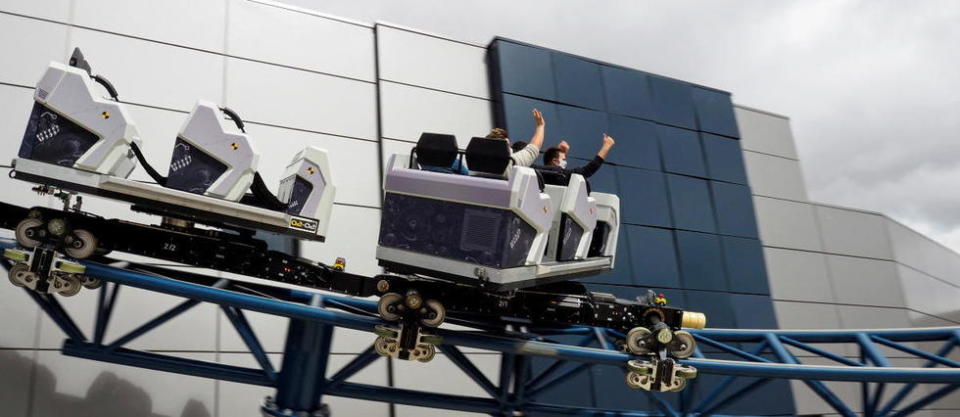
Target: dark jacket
[[555, 175]]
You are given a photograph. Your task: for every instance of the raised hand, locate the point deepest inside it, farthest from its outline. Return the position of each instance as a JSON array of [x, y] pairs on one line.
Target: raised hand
[[608, 140], [538, 118]]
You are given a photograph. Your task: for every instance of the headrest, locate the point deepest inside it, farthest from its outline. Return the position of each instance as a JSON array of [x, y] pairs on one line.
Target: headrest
[[488, 156], [436, 149], [553, 176]]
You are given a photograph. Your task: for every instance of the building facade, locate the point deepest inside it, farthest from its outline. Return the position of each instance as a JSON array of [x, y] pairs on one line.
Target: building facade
[[718, 219]]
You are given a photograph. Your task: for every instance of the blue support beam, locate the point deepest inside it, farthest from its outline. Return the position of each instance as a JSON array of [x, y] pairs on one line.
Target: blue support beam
[[240, 323], [166, 363], [907, 389], [359, 363], [302, 378], [302, 381], [55, 311], [108, 298], [817, 386], [465, 365]]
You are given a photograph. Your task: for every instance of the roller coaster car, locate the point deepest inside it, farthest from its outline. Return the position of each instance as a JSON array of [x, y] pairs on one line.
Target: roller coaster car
[[505, 232], [500, 244], [79, 141]]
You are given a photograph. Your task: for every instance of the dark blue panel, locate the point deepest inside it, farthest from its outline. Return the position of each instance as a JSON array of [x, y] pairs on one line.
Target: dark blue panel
[[519, 121], [716, 305], [636, 143], [622, 272], [578, 81], [525, 70], [681, 151], [724, 158], [628, 92], [583, 129], [673, 102], [715, 112], [604, 180], [653, 256], [690, 203], [643, 197], [734, 207], [753, 311], [773, 398], [575, 391], [701, 261], [746, 270], [612, 393]]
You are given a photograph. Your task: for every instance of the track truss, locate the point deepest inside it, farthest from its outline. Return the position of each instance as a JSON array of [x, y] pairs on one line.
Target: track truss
[[302, 381]]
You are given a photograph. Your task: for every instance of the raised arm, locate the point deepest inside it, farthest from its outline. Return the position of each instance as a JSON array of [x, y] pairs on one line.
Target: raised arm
[[608, 143], [538, 132], [594, 165]]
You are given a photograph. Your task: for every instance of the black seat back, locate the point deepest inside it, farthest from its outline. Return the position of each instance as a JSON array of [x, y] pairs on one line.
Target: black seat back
[[436, 149], [488, 156], [553, 176]]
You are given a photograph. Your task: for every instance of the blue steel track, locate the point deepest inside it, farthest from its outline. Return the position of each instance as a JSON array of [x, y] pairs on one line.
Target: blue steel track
[[302, 381]]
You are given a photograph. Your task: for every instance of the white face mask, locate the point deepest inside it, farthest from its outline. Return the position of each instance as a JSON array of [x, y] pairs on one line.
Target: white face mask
[[563, 163]]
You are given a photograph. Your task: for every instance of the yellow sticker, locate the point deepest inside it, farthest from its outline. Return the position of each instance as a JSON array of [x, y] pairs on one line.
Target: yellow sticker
[[234, 146], [105, 115]]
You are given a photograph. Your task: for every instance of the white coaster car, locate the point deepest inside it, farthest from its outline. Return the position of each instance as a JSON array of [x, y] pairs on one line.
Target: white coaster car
[[509, 232]]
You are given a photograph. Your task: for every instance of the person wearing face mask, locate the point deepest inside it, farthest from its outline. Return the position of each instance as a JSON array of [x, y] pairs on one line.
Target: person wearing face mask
[[556, 158]]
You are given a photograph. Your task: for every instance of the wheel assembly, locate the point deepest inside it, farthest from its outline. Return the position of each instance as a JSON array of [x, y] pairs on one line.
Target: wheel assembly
[[26, 232], [679, 384], [424, 353], [435, 314], [413, 300], [637, 381], [386, 347], [637, 341], [92, 283], [82, 246], [17, 273], [683, 345], [67, 286], [387, 306]]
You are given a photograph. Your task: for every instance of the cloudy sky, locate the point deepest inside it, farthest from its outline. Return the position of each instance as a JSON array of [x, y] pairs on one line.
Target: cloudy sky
[[872, 87]]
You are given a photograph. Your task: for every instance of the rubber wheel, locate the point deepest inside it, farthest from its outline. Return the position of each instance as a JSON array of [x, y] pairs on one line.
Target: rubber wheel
[[15, 272], [680, 385], [685, 344], [380, 345], [383, 306], [639, 367], [635, 336], [21, 232], [88, 248], [635, 380], [73, 286], [92, 283], [441, 314], [57, 227], [428, 352]]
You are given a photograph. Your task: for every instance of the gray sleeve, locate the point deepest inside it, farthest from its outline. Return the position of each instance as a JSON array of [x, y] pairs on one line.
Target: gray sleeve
[[526, 156]]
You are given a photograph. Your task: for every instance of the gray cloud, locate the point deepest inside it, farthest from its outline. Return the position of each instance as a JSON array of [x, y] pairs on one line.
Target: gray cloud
[[872, 87]]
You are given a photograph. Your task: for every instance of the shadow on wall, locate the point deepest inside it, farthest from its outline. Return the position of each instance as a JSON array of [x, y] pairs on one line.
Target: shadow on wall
[[108, 395]]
